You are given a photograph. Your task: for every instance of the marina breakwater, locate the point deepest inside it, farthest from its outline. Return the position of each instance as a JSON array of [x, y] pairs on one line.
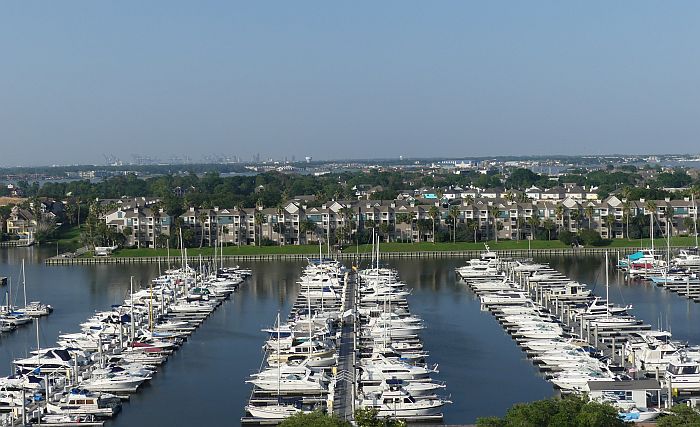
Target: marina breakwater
[[66, 260]]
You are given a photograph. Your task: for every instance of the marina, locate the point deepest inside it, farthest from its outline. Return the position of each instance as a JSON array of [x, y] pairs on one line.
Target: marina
[[349, 343], [583, 343], [479, 353]]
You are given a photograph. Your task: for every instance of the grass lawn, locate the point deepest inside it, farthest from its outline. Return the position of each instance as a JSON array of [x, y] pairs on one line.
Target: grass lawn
[[68, 238], [228, 250]]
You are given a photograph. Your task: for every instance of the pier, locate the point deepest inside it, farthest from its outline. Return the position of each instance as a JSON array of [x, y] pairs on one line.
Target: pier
[[324, 349], [345, 376], [347, 256], [542, 309]]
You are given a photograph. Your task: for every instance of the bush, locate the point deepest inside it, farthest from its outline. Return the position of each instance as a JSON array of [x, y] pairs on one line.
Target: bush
[[568, 411], [314, 419], [267, 242], [567, 237], [590, 237]]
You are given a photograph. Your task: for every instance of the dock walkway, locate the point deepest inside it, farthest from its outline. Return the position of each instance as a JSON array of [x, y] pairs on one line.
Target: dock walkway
[[343, 399]]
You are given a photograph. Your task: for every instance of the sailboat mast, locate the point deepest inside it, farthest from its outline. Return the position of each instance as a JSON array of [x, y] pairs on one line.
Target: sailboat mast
[[133, 325], [607, 286], [695, 219], [651, 229], [24, 285], [279, 359]]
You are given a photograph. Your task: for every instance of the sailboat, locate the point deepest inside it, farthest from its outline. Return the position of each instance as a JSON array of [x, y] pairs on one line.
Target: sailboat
[[33, 308], [279, 410]]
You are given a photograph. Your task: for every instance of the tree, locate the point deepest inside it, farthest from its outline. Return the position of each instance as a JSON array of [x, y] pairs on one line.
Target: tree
[[202, 218], [610, 224], [680, 416], [567, 237], [454, 214], [313, 419], [559, 212], [422, 225], [688, 224], [569, 411], [575, 215], [305, 226], [549, 225], [626, 210], [369, 418], [494, 212], [650, 206], [473, 225], [259, 219], [534, 223], [590, 237], [589, 211], [669, 214], [434, 213]]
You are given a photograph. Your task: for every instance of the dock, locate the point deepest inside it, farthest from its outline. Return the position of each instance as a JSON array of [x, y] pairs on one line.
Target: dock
[[347, 256]]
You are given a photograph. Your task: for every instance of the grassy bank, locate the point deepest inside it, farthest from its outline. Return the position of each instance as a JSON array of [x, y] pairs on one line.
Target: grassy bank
[[400, 247], [227, 250], [67, 237]]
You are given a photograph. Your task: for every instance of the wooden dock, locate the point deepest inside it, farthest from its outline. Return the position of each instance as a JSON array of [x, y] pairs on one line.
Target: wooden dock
[[520, 253]]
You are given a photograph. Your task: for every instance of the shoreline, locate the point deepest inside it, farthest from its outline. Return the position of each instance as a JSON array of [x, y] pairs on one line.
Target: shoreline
[[470, 253]]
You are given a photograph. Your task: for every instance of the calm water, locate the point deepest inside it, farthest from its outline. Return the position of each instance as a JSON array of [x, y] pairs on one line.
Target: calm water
[[204, 382]]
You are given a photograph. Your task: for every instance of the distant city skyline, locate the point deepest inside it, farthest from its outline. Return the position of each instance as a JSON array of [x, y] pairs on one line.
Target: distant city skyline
[[84, 81]]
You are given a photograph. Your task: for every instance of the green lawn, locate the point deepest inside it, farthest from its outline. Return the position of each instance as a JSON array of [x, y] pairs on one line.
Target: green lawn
[[398, 247], [228, 250], [68, 238]]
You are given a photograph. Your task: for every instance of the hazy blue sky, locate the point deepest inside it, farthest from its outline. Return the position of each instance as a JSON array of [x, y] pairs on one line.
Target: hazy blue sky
[[346, 79]]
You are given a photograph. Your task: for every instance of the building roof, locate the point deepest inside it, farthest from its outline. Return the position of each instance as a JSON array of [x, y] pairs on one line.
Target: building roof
[[648, 384]]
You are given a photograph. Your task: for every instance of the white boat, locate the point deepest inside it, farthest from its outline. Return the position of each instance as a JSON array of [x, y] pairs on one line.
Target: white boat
[[400, 404], [273, 412], [85, 402]]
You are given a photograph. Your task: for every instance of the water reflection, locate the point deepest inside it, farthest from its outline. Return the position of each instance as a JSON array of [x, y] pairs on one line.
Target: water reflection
[[204, 383]]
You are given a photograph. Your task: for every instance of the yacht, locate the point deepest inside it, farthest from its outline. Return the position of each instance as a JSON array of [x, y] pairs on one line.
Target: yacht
[[400, 404], [85, 402]]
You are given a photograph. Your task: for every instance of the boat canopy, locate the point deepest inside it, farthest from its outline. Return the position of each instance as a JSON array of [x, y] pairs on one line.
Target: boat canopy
[[635, 256]]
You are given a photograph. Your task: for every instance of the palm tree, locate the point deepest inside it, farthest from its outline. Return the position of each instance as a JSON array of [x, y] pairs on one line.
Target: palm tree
[[610, 224], [518, 225], [588, 210], [575, 216], [347, 216], [280, 224], [669, 214], [259, 219], [650, 206], [305, 226], [414, 223], [494, 212], [241, 217], [549, 225], [202, 218], [626, 193], [534, 223], [626, 210], [473, 225], [559, 212], [434, 213], [454, 214]]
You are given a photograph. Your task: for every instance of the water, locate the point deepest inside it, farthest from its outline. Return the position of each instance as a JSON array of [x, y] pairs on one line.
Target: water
[[204, 382]]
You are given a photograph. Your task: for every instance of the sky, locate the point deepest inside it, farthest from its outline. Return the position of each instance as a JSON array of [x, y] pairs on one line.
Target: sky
[[83, 79]]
